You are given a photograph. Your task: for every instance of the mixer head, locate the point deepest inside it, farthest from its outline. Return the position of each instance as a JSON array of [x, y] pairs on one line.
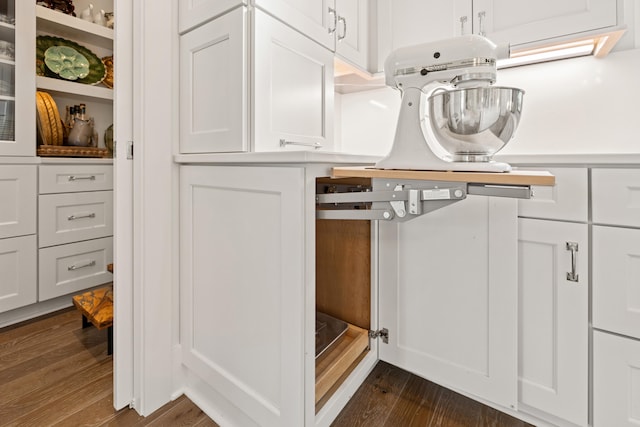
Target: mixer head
[[460, 61]]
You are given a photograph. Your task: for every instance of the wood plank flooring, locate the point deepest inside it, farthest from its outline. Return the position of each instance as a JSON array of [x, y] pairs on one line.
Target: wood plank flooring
[[54, 373]]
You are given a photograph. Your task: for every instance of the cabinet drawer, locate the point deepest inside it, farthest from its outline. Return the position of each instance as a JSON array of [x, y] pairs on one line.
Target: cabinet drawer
[[616, 280], [70, 268], [66, 218], [192, 13], [616, 381], [18, 265], [567, 200], [17, 200], [616, 196], [73, 178]]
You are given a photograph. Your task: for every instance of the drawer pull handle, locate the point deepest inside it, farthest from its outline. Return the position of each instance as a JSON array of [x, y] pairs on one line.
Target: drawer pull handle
[[316, 145], [78, 267], [74, 217], [79, 178], [572, 276]]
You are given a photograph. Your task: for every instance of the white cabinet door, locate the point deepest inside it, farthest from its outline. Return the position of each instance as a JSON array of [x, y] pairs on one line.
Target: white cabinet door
[[194, 12], [616, 280], [616, 196], [18, 267], [413, 22], [521, 21], [314, 18], [616, 381], [352, 31], [448, 297], [18, 199], [553, 319], [213, 86], [242, 289], [292, 90]]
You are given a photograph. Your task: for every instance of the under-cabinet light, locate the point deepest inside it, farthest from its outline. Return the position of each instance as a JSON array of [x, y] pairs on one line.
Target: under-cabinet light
[[549, 53]]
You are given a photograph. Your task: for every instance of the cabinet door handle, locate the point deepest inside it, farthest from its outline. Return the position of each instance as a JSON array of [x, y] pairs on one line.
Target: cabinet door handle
[[463, 20], [481, 15], [284, 143], [79, 266], [344, 28], [79, 178], [572, 275], [330, 29], [74, 217]]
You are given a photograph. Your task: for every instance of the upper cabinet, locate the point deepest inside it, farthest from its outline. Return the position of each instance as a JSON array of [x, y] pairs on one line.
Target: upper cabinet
[[503, 21], [340, 25], [248, 82], [17, 79]]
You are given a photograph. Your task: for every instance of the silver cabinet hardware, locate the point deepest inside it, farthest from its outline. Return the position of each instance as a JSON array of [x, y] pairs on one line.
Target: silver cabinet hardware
[[74, 217], [344, 27], [384, 333], [80, 178], [481, 16], [572, 275], [330, 29], [77, 267], [284, 143], [513, 191], [463, 20]]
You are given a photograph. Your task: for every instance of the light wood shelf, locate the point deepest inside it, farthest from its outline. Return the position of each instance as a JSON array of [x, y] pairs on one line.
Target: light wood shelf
[[338, 360]]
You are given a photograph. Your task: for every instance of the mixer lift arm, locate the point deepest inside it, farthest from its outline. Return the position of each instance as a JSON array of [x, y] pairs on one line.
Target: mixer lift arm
[[402, 200]]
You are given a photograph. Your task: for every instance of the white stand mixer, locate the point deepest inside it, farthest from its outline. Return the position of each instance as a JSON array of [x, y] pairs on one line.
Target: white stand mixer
[[467, 64]]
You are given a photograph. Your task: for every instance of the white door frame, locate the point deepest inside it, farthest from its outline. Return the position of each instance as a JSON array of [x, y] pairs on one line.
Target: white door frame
[[123, 208], [146, 293]]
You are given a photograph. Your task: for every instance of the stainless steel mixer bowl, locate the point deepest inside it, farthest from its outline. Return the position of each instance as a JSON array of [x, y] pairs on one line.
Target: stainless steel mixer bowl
[[472, 124]]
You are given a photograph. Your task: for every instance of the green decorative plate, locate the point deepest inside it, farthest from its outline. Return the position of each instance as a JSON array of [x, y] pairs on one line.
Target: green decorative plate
[[66, 62], [96, 69]]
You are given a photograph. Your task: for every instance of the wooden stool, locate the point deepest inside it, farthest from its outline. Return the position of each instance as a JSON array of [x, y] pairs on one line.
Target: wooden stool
[[96, 307]]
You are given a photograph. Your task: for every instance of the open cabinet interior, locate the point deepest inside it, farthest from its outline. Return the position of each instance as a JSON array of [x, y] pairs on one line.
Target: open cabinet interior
[[343, 292]]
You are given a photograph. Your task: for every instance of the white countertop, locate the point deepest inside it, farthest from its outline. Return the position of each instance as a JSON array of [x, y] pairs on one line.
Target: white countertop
[[632, 159], [277, 157], [35, 160]]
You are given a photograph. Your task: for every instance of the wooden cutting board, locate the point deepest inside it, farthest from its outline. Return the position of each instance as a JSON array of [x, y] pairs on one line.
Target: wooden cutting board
[[515, 177]]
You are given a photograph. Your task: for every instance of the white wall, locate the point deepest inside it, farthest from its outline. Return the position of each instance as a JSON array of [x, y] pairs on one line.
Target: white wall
[[573, 106]]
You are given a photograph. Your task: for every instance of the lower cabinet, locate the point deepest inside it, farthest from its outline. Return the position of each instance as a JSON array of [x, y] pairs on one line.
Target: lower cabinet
[[256, 267], [242, 290], [616, 380], [553, 319], [19, 266]]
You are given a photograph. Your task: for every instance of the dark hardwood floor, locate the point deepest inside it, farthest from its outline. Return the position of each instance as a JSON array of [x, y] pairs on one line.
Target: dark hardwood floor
[[54, 373]]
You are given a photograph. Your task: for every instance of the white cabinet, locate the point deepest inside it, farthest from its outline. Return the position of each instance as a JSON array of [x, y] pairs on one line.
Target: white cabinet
[[18, 252], [316, 19], [18, 266], [502, 21], [75, 225], [616, 381], [279, 78], [353, 30], [616, 197], [291, 103], [214, 86], [616, 280], [553, 318], [553, 280], [242, 289], [17, 79], [192, 13], [18, 189], [448, 300]]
